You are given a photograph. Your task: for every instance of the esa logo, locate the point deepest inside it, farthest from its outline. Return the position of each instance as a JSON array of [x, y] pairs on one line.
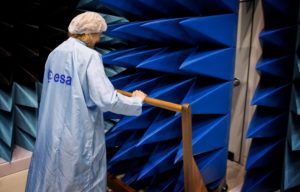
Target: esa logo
[[59, 78]]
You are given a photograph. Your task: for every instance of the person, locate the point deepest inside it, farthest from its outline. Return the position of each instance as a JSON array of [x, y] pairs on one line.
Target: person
[[70, 153]]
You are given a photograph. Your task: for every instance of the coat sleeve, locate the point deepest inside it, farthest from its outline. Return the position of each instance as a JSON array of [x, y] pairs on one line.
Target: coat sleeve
[[103, 94]]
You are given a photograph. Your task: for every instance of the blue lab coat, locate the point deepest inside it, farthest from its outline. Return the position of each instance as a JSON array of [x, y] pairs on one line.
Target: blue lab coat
[[69, 153]]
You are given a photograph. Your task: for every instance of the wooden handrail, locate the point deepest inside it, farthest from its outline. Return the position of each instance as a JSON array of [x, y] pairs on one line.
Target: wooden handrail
[[193, 180], [157, 103]]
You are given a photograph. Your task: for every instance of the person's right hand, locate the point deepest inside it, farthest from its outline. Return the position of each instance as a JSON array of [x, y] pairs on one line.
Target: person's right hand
[[139, 93]]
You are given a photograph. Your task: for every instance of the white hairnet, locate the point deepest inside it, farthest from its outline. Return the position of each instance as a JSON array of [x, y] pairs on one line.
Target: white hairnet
[[86, 23]]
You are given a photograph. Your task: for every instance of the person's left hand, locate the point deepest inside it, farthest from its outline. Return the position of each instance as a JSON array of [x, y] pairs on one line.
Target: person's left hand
[[140, 94]]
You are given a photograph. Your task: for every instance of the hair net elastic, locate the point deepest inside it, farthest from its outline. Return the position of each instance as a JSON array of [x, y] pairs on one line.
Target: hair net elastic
[[86, 23]]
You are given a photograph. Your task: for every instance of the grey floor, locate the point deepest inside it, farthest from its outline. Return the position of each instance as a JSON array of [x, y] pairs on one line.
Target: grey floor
[[235, 176]]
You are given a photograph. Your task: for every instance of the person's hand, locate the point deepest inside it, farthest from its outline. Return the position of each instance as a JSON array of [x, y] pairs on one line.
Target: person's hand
[[140, 94]]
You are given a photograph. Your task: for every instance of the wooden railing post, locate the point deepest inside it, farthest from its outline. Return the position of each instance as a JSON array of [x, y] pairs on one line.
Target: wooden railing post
[[117, 185], [193, 181], [186, 126]]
